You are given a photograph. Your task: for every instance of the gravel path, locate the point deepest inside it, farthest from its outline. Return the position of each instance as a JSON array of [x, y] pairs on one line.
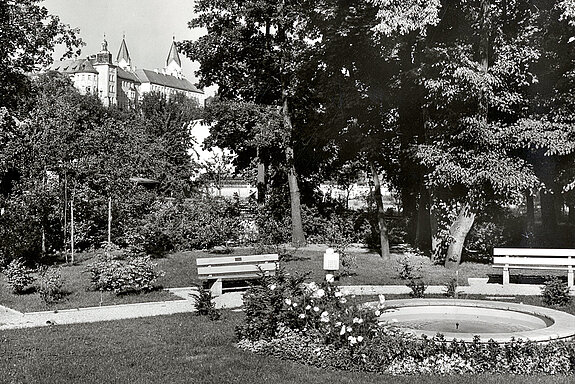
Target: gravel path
[[11, 319]]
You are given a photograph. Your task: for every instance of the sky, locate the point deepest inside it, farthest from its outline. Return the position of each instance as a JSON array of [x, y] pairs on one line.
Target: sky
[[148, 25]]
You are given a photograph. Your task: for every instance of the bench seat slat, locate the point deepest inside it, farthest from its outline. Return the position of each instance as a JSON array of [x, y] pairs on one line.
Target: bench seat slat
[[239, 276], [533, 260], [235, 260], [511, 266]]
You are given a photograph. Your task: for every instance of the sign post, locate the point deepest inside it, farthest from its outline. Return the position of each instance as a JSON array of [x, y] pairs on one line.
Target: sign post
[[330, 264]]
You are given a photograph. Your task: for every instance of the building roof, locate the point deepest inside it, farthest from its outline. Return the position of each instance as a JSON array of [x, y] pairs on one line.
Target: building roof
[[131, 76], [123, 52], [147, 76], [173, 55], [73, 66]]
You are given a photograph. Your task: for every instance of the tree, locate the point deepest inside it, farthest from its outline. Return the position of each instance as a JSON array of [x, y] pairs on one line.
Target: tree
[[166, 124], [270, 44], [27, 39]]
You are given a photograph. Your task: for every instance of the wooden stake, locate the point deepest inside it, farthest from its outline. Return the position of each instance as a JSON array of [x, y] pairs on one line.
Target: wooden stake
[[72, 226], [109, 221]]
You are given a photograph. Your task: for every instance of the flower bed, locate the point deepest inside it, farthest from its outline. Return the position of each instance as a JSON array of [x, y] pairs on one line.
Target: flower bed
[[317, 325]]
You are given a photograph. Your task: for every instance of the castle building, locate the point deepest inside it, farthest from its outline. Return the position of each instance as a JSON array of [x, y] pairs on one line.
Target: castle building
[[119, 83]]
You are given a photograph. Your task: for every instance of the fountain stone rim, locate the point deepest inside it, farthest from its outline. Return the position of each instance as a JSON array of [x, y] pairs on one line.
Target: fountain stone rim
[[563, 326]]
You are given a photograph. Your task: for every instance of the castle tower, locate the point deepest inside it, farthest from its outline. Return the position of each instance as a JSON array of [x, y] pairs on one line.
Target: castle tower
[[107, 76], [123, 58], [173, 63]]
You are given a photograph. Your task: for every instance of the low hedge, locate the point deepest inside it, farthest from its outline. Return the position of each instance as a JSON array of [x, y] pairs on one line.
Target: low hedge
[[399, 354]]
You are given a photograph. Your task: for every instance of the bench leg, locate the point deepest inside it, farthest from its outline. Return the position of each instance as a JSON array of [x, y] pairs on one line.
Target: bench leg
[[505, 275], [570, 277], [216, 288]]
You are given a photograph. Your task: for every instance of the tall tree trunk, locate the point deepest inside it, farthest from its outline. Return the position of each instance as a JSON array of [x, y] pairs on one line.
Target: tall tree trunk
[[436, 241], [530, 219], [423, 234], [548, 214], [411, 132], [383, 237], [298, 236], [261, 180], [458, 231]]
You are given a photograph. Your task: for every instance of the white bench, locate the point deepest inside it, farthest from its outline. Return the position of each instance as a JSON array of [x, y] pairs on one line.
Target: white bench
[[534, 258], [217, 269]]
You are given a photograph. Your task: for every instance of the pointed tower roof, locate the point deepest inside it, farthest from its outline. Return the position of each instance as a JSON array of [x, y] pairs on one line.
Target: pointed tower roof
[[173, 55], [123, 52]]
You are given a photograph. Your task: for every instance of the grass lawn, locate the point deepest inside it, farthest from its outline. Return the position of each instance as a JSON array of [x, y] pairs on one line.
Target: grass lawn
[[181, 271], [78, 295], [371, 269], [176, 349]]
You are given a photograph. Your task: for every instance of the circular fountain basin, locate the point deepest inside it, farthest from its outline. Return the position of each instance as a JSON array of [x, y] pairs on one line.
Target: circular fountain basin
[[465, 319]]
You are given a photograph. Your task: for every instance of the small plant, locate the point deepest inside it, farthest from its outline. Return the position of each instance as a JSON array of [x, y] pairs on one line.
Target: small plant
[[50, 284], [556, 292], [407, 270], [19, 276], [204, 304], [418, 288], [451, 288]]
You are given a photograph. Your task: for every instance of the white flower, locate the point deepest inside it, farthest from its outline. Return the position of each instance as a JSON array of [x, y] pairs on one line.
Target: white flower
[[377, 313], [338, 294], [343, 300], [312, 287], [324, 317], [349, 329], [272, 287], [302, 316], [360, 321], [352, 340], [359, 339], [338, 324], [316, 309], [320, 293], [355, 320], [342, 331], [307, 307], [294, 305], [288, 301]]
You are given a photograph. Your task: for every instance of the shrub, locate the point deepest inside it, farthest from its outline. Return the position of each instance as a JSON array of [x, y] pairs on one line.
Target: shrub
[[451, 288], [418, 288], [204, 305], [135, 274], [556, 292], [407, 269], [187, 225], [50, 284], [18, 275], [320, 310]]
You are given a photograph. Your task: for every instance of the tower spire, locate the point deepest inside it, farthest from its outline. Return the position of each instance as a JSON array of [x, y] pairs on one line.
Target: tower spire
[[174, 55], [123, 58]]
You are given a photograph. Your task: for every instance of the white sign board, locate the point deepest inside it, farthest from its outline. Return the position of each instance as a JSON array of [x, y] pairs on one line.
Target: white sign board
[[330, 260]]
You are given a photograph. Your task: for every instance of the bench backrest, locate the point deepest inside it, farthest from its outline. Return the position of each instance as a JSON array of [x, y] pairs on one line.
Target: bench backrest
[[534, 256], [236, 267], [537, 252]]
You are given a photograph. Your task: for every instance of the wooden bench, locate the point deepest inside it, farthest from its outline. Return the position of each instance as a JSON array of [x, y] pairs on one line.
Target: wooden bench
[[217, 269], [534, 258]]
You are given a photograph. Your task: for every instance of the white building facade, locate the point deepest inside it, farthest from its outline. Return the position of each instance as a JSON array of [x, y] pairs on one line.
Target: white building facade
[[118, 83]]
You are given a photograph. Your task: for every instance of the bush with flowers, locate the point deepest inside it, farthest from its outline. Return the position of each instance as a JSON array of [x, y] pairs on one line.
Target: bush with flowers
[[316, 324]]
